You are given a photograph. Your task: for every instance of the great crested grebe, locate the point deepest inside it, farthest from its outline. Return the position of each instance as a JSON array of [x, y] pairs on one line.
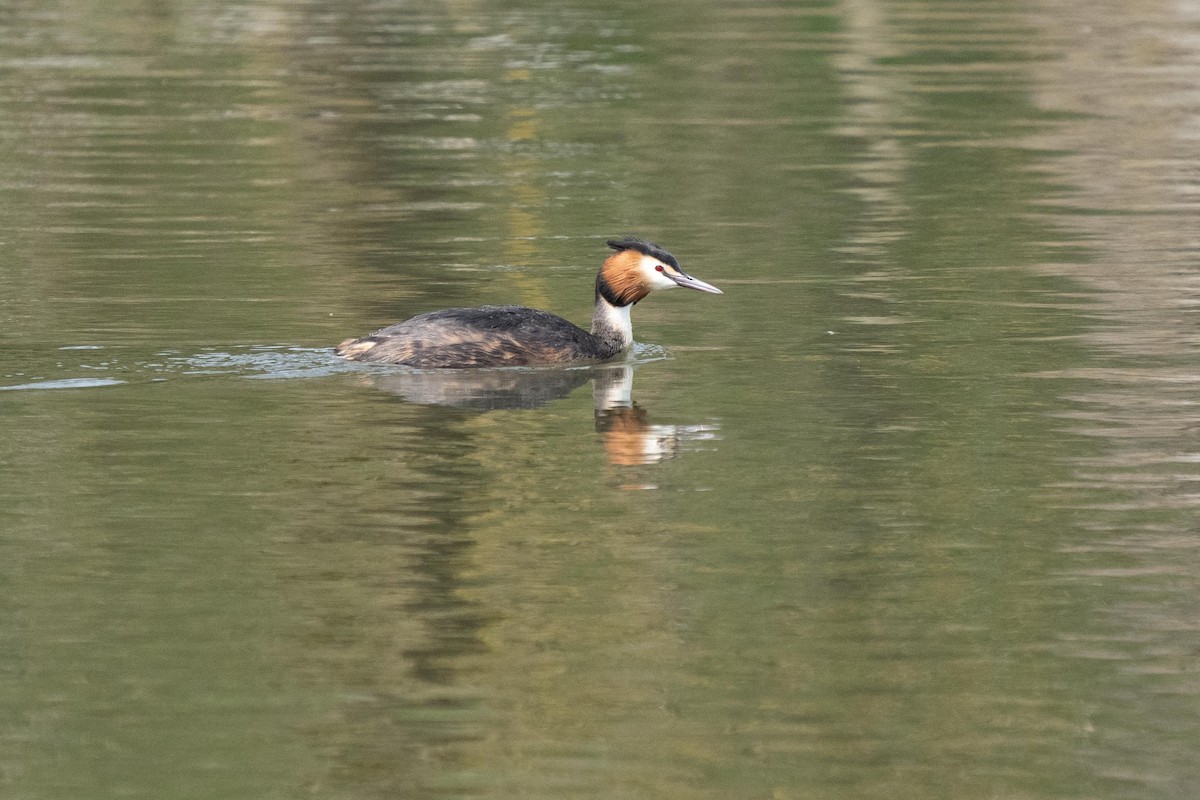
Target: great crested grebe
[[512, 336]]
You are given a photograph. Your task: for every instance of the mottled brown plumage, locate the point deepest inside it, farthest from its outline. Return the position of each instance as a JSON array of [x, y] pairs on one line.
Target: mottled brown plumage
[[489, 336]]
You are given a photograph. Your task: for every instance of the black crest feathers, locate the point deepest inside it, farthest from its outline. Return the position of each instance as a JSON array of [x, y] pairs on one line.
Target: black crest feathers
[[644, 247]]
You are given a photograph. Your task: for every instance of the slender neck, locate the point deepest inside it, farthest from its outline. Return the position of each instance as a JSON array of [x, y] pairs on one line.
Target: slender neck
[[611, 325]]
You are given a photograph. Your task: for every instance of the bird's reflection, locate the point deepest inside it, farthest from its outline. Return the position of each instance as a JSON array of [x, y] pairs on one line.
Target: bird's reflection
[[483, 389], [627, 433]]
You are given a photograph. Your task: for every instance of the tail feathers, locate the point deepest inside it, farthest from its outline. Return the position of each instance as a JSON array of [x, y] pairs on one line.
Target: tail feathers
[[354, 349]]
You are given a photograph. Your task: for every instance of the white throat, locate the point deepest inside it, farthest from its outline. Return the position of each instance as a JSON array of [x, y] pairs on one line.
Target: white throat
[[609, 321]]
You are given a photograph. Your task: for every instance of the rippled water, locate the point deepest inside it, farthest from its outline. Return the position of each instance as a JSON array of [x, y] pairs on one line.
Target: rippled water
[[909, 511]]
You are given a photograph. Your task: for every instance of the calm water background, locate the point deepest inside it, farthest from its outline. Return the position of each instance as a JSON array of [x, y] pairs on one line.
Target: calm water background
[[909, 512]]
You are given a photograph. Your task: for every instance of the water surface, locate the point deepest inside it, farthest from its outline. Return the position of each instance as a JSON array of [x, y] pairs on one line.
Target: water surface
[[909, 512]]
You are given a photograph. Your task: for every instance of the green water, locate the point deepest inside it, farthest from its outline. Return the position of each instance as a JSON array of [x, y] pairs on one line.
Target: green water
[[908, 512]]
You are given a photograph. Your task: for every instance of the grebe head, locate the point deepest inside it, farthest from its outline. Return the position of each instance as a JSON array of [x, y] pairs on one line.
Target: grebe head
[[640, 267]]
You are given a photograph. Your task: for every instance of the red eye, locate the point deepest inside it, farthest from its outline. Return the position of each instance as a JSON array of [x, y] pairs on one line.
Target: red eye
[[658, 267]]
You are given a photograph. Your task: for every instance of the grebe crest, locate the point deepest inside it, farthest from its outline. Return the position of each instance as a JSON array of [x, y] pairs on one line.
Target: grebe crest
[[637, 268], [503, 336]]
